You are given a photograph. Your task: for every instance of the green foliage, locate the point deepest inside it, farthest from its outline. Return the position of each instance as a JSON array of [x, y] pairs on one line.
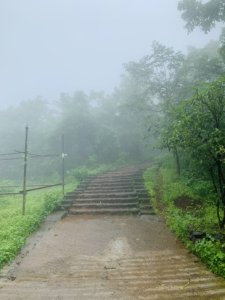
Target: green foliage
[[197, 126], [212, 254], [51, 201], [166, 187], [150, 184], [205, 15], [80, 173], [179, 222], [150, 82], [15, 228]]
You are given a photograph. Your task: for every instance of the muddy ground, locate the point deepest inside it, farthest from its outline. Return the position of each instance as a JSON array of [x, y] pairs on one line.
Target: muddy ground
[[107, 257]]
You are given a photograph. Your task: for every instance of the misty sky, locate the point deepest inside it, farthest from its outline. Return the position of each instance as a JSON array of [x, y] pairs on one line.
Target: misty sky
[[50, 47]]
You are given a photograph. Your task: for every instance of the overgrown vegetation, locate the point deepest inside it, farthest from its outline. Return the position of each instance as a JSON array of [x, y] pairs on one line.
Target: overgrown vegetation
[[15, 228], [188, 207], [197, 126]]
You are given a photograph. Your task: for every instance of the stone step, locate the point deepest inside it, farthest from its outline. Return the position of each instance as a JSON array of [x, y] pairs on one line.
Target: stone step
[[113, 201], [109, 189], [114, 176], [144, 198], [126, 175], [104, 205], [145, 206], [113, 192], [131, 195], [110, 184], [147, 212], [141, 191], [99, 191], [145, 202], [106, 200], [139, 186], [110, 211]]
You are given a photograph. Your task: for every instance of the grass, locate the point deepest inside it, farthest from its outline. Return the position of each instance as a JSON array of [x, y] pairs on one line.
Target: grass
[[165, 189], [15, 228]]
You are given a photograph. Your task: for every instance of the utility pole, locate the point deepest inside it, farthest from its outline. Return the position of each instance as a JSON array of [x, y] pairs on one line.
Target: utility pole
[[25, 170], [63, 165]]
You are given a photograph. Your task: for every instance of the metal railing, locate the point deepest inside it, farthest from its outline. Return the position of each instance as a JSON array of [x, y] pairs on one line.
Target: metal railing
[[25, 188]]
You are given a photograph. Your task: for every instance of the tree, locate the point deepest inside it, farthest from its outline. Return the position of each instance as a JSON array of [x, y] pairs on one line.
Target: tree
[[200, 65], [149, 83], [78, 124], [153, 86], [37, 115], [203, 15], [198, 127]]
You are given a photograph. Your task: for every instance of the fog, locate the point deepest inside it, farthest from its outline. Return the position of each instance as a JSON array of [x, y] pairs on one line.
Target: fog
[[49, 47]]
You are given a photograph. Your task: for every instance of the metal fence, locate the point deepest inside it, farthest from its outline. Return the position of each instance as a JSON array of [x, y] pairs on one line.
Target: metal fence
[[25, 188]]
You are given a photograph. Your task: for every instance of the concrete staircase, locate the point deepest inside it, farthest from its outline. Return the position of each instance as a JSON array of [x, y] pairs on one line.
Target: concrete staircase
[[117, 192]]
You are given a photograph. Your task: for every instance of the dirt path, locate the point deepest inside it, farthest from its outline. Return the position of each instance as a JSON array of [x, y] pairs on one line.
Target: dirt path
[[110, 257]]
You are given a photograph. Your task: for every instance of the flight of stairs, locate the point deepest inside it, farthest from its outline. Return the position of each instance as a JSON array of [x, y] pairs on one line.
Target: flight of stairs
[[116, 192]]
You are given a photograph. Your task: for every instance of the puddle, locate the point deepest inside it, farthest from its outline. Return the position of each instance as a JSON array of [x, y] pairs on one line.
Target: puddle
[[117, 248]]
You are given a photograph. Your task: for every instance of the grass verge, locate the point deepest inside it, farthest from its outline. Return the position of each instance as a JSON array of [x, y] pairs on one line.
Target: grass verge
[[188, 206], [15, 228]]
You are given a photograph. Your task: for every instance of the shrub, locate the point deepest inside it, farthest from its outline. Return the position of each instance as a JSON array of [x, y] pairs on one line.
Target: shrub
[[197, 217], [15, 228]]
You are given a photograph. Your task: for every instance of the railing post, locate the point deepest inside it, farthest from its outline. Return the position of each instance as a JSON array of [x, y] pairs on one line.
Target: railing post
[[63, 165], [25, 170]]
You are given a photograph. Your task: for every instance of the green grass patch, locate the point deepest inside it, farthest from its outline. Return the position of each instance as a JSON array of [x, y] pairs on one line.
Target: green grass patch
[[15, 228]]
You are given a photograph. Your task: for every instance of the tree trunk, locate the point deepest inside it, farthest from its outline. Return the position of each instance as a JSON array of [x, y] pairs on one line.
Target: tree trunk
[[177, 160], [221, 193]]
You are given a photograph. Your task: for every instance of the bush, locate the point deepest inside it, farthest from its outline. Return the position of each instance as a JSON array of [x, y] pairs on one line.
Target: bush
[[51, 201], [80, 173], [211, 253], [163, 180]]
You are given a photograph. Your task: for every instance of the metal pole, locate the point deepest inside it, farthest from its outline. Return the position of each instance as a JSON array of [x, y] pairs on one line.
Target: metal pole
[[63, 165], [25, 171]]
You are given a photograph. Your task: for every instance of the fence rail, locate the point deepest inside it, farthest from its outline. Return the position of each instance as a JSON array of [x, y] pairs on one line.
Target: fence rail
[[42, 187], [26, 155]]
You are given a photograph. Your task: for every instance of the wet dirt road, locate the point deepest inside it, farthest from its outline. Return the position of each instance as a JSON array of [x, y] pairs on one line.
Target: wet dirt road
[[109, 257]]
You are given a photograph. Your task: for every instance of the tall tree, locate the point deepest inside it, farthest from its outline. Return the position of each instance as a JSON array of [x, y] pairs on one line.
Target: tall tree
[[198, 127], [203, 15]]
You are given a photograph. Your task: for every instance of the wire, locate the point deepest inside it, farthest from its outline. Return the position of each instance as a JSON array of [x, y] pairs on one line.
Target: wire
[[32, 155], [5, 154], [13, 158], [43, 155], [39, 155]]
